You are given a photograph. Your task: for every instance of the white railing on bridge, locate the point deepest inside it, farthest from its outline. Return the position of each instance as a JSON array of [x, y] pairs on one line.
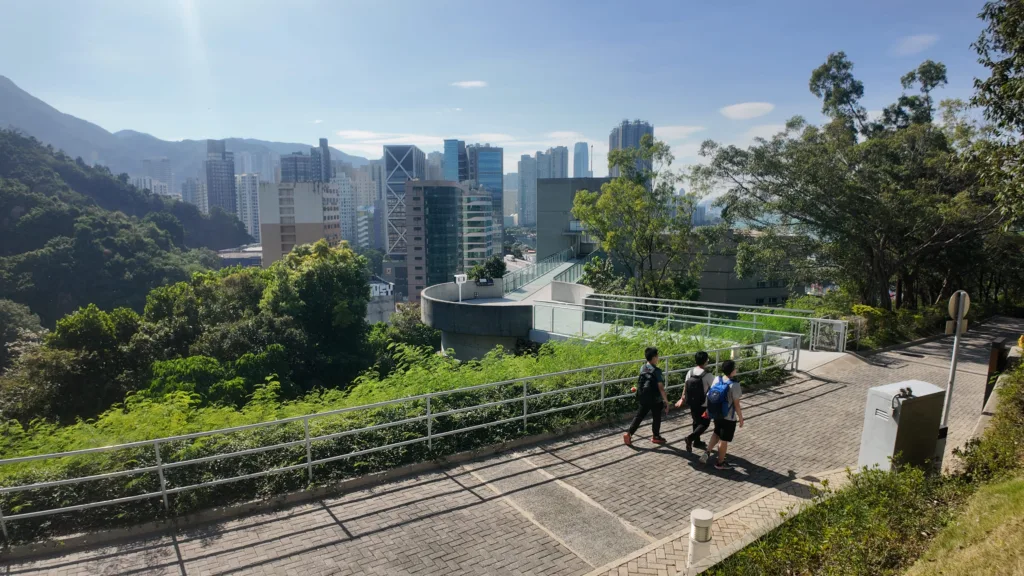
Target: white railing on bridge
[[517, 279], [783, 352]]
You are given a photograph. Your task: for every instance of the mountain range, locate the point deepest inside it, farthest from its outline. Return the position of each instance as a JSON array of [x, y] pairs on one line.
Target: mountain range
[[122, 151]]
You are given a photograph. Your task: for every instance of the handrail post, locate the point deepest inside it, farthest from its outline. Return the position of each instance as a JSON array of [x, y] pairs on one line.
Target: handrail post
[[430, 428], [526, 383], [796, 365], [602, 385], [309, 452], [160, 472], [3, 527]]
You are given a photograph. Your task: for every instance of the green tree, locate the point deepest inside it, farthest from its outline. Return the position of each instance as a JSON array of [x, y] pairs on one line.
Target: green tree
[[17, 324], [493, 268], [640, 222]]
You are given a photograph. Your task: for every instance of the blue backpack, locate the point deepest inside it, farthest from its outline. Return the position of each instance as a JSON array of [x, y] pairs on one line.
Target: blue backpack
[[718, 398]]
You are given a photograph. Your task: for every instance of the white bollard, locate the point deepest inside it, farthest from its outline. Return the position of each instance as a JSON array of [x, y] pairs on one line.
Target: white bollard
[[700, 536]]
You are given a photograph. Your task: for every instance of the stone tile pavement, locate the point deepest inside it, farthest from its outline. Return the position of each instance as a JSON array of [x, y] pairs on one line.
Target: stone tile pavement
[[564, 507]]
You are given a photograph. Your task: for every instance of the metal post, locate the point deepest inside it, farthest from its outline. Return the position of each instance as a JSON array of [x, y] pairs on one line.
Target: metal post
[[430, 428], [799, 344], [525, 384], [160, 472], [3, 527], [583, 314], [717, 365], [602, 388], [700, 536], [309, 452], [960, 301]]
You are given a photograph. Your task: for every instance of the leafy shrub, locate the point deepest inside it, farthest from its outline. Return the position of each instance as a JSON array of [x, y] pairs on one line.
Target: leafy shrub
[[1000, 450]]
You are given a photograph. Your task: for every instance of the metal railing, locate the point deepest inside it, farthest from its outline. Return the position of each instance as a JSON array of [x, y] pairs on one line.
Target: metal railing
[[519, 278], [821, 333], [783, 352], [573, 274]]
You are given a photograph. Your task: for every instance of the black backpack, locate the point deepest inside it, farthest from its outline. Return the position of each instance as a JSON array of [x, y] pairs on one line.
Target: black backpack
[[694, 390], [647, 392]]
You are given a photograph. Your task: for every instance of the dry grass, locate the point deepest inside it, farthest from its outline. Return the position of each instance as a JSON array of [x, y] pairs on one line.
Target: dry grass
[[986, 540]]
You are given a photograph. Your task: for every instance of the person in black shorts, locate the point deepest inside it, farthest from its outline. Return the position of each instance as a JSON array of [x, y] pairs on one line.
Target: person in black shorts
[[725, 426]]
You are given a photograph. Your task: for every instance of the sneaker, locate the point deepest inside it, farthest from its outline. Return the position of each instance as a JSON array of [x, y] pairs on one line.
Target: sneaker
[[658, 440], [627, 439], [700, 445], [689, 445], [704, 457], [724, 465]]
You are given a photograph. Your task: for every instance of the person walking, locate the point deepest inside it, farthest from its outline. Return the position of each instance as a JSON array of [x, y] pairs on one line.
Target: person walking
[[724, 408], [650, 393], [695, 392]]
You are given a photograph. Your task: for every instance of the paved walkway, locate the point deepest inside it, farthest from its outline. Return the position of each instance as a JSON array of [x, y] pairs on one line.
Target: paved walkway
[[568, 507]]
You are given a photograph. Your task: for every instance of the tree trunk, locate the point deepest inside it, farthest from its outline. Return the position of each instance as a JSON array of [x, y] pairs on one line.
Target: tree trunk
[[899, 291]]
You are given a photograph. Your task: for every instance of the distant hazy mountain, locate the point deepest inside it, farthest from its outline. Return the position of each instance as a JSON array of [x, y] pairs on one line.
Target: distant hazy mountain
[[121, 151]]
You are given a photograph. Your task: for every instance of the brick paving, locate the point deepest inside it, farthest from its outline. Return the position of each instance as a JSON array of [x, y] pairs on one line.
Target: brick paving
[[452, 522]]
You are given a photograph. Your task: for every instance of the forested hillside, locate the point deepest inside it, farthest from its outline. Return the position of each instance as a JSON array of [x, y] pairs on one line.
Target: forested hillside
[[73, 235]]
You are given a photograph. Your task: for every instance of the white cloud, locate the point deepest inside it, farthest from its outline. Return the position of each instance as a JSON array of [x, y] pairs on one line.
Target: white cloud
[[458, 109], [318, 121], [747, 110], [683, 151], [470, 84], [765, 131], [914, 44], [669, 133]]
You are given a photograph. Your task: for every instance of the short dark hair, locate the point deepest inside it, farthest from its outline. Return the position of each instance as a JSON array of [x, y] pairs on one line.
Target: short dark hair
[[728, 367], [701, 358], [650, 352]]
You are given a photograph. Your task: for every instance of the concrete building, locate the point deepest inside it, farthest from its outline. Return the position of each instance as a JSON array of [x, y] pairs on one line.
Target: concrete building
[[435, 166], [364, 226], [151, 184], [250, 256], [247, 186], [325, 166], [527, 190], [297, 167], [202, 198], [376, 169], [269, 166], [347, 205], [557, 229], [434, 215], [554, 163], [365, 187], [510, 193], [293, 213], [243, 163], [581, 161], [159, 169], [382, 301], [401, 164], [487, 170], [456, 162], [628, 135], [190, 191], [477, 228], [219, 168]]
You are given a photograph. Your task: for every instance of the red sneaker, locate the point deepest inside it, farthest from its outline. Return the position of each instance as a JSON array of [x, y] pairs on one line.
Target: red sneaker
[[627, 439], [658, 440]]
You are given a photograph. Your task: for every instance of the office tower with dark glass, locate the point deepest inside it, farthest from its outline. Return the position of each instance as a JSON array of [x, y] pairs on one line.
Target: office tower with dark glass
[[456, 163], [628, 135], [434, 228], [219, 169], [401, 164], [326, 171], [581, 160], [297, 167], [487, 169]]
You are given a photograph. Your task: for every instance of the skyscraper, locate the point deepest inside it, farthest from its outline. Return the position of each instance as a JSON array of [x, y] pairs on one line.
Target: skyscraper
[[435, 166], [477, 227], [346, 207], [487, 169], [243, 163], [528, 190], [190, 191], [159, 169], [401, 164], [219, 168], [325, 161], [510, 191], [628, 135], [581, 160], [456, 164], [247, 187], [297, 167], [293, 213]]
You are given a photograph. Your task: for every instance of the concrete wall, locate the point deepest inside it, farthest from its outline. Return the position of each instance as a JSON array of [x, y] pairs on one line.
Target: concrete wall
[[570, 293], [473, 329], [554, 211], [380, 308]]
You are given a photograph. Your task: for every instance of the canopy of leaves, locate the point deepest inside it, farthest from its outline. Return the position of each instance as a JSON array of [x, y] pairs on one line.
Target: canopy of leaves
[[71, 234], [492, 268]]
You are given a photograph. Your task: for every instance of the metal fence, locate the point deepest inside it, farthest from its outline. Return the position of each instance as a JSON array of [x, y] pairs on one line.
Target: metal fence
[[821, 333], [519, 278], [573, 274], [609, 379]]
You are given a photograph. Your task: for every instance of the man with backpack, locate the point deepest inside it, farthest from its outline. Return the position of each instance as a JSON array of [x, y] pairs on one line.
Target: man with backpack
[[650, 393], [695, 391], [723, 401]]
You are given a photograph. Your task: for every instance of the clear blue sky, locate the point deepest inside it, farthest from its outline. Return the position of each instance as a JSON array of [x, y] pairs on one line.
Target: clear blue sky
[[546, 72]]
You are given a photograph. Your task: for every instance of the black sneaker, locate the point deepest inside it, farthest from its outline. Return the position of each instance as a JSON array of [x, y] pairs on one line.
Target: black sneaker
[[724, 465], [689, 446], [698, 444]]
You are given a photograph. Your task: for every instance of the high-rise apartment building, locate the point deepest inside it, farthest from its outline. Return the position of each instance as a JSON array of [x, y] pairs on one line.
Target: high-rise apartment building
[[190, 191], [159, 169], [219, 168], [297, 167], [528, 190], [510, 193], [477, 227], [364, 227], [347, 205], [247, 186], [628, 135], [365, 186], [202, 198], [243, 163], [435, 166], [456, 162], [487, 170], [581, 160], [326, 170], [294, 213], [152, 184], [554, 163]]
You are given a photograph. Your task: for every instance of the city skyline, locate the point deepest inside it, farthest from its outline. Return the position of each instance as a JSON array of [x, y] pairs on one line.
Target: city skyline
[[520, 97]]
